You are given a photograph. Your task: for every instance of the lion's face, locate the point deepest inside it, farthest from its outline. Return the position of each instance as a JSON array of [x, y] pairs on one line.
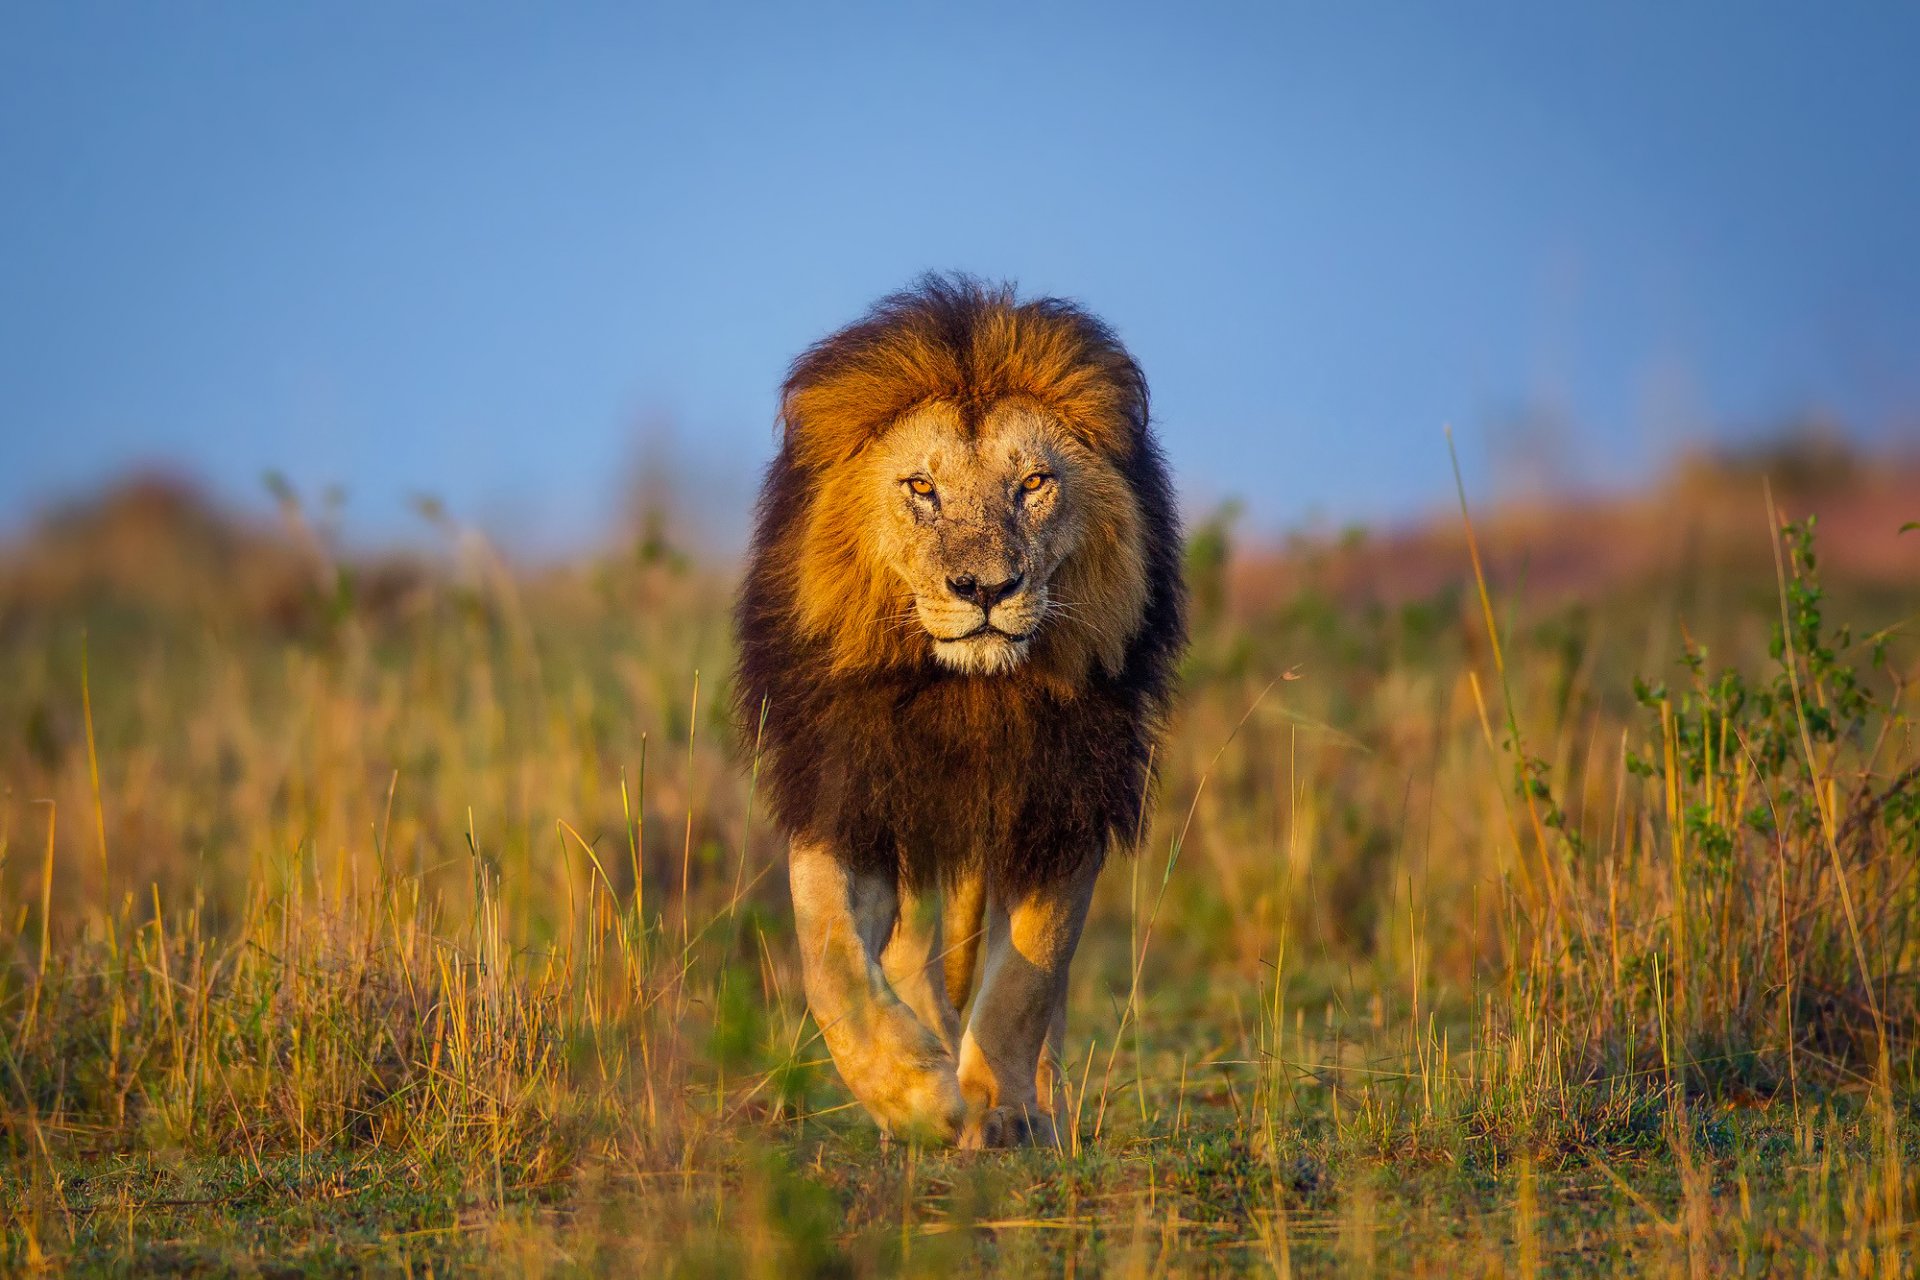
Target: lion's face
[[975, 524], [964, 474]]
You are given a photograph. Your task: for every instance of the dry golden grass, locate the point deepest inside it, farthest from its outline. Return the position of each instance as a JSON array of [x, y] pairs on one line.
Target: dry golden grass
[[415, 916]]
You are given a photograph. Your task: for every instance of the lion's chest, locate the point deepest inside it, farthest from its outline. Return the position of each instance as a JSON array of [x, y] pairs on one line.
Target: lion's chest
[[958, 766], [967, 767], [935, 774]]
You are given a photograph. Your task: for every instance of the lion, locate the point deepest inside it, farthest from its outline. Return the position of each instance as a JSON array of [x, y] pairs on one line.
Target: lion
[[958, 634]]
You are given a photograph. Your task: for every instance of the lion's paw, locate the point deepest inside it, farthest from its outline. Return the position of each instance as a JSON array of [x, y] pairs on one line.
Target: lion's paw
[[922, 1107], [999, 1127]]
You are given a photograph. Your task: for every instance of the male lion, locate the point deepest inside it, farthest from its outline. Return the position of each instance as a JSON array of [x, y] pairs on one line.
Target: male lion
[[958, 634]]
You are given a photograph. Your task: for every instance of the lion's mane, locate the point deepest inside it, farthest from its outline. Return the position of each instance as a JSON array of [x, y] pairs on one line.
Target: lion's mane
[[862, 740]]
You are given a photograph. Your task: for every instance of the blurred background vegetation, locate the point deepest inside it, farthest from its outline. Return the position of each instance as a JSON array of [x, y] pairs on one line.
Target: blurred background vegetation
[[431, 883]]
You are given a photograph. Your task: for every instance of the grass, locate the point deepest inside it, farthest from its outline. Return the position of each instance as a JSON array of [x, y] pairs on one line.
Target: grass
[[367, 915]]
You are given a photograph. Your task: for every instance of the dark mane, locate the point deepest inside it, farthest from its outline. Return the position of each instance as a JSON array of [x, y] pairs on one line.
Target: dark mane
[[909, 765]]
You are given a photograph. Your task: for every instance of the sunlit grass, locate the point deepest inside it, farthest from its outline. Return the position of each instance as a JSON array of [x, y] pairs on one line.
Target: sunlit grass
[[367, 917]]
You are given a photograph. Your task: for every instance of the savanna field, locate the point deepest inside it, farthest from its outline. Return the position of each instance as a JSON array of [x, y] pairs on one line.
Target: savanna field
[[1531, 891]]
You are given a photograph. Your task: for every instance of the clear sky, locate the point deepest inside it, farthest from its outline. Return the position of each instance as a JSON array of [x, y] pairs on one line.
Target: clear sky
[[487, 252]]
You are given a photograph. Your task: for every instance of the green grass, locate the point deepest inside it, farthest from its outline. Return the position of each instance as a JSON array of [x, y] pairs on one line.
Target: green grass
[[1764, 1195], [361, 919]]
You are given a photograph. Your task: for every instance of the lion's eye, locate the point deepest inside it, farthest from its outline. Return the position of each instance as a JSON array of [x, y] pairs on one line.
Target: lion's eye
[[1035, 482], [921, 486]]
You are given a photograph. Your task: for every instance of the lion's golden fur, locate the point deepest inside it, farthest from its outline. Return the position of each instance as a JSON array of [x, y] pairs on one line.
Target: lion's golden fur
[[868, 743], [846, 595]]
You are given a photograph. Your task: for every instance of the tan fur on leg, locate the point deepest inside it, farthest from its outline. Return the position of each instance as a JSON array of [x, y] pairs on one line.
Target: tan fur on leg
[[963, 911], [914, 964], [1050, 1077], [896, 1066], [1030, 945]]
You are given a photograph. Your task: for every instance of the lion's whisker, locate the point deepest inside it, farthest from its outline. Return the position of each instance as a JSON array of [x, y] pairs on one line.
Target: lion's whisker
[[1072, 612]]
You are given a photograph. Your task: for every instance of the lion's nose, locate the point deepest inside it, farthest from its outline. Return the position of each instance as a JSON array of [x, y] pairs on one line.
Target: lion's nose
[[984, 594]]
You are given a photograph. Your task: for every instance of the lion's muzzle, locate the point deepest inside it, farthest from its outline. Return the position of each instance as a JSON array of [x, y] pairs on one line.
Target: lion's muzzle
[[984, 594], [982, 627]]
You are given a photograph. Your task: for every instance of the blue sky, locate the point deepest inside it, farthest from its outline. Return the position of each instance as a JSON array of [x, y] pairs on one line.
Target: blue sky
[[490, 252]]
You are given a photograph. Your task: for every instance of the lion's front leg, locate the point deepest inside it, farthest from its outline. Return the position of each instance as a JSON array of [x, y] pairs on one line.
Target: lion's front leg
[[914, 962], [1050, 1078], [898, 1067], [963, 912], [1021, 1013]]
